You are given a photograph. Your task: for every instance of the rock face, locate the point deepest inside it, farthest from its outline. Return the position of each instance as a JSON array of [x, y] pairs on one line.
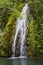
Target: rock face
[[18, 43]]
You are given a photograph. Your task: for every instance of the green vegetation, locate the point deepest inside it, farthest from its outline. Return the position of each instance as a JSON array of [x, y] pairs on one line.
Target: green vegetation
[[36, 29], [9, 12]]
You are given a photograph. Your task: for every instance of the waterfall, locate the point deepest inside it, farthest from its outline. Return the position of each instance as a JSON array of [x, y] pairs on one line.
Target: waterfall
[[21, 26]]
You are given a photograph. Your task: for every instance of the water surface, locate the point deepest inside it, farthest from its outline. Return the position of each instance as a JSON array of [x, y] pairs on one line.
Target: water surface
[[19, 61]]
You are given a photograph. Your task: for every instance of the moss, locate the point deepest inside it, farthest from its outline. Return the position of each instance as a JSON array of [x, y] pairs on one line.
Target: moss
[[7, 38], [34, 33]]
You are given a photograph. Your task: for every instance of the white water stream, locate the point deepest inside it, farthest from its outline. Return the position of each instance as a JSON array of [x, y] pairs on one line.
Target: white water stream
[[21, 26]]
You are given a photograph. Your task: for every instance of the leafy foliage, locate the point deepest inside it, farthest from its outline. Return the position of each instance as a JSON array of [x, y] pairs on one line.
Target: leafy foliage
[[36, 28], [9, 12]]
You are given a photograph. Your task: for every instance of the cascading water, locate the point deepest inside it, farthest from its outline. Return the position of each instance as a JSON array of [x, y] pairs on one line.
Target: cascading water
[[21, 26]]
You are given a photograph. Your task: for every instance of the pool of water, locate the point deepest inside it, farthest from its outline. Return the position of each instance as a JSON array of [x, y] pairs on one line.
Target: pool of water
[[20, 61]]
